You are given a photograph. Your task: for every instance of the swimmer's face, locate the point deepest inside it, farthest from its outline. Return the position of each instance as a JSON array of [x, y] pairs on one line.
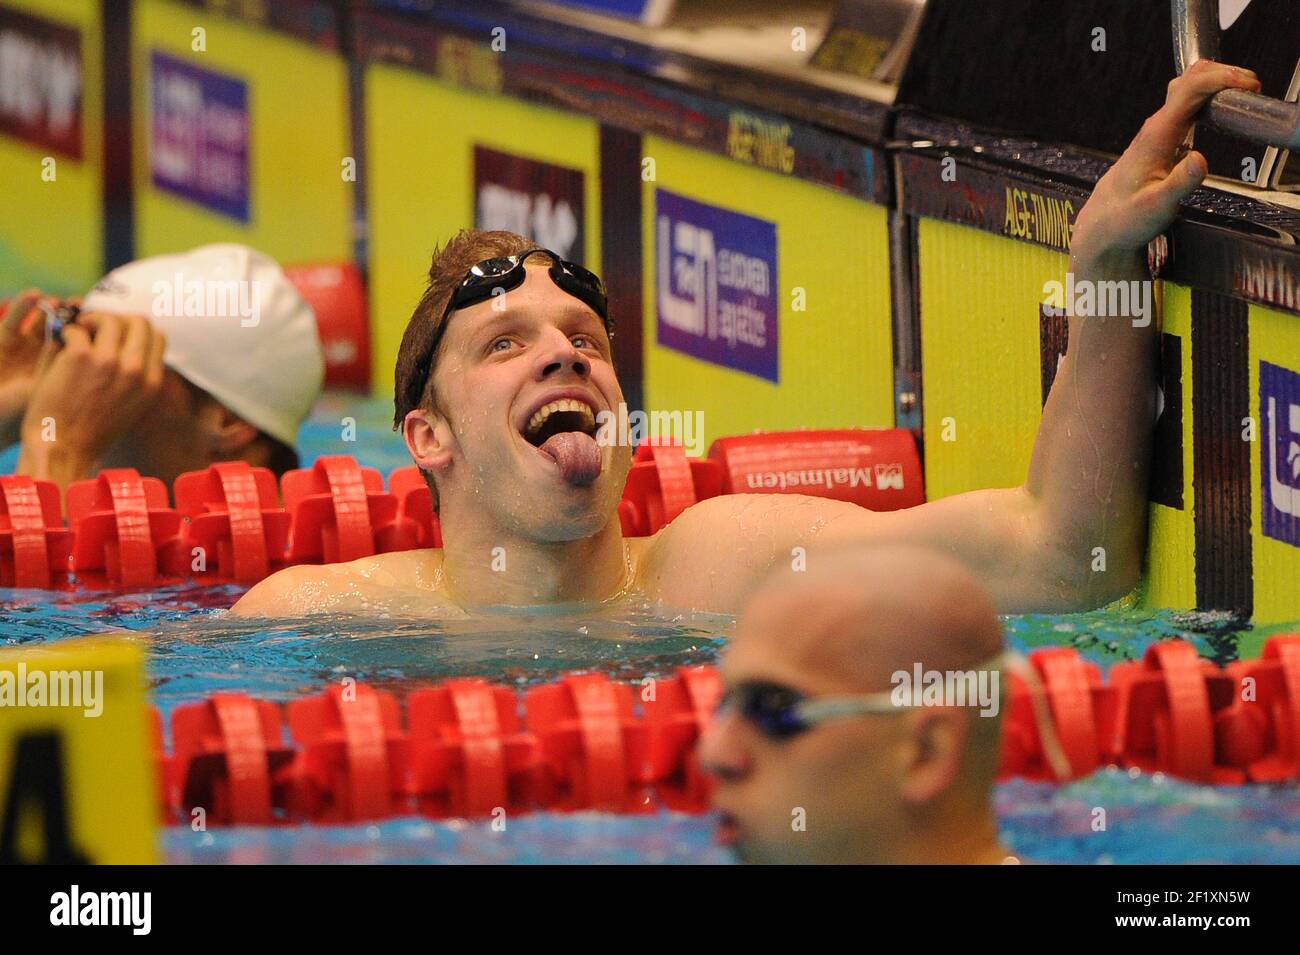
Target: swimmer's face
[[174, 437], [500, 361], [827, 795]]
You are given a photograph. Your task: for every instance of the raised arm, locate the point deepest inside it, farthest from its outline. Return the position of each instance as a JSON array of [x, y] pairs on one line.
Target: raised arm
[[1088, 477], [1033, 545]]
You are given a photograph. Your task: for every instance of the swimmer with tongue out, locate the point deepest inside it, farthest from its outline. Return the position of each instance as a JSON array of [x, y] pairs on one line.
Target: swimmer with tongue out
[[562, 431], [504, 378], [505, 375]]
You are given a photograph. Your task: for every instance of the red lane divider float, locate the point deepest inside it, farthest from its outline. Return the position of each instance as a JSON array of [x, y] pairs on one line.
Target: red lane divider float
[[1162, 712], [126, 534], [34, 544], [588, 739], [1259, 731], [1069, 688], [340, 511], [469, 752], [679, 710], [469, 749], [664, 482], [1171, 712], [880, 470], [225, 752], [228, 523], [236, 519], [352, 755], [336, 293], [415, 503]]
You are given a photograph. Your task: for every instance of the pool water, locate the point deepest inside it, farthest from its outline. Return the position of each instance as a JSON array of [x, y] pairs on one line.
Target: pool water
[[194, 651], [1150, 819]]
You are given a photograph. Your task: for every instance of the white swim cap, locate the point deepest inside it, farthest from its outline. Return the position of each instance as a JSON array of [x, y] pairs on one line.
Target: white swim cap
[[235, 327]]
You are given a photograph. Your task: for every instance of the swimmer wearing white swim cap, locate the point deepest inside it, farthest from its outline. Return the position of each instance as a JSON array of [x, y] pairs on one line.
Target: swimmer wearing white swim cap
[[173, 363]]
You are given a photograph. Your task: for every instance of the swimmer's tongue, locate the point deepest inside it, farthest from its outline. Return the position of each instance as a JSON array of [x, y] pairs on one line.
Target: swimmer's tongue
[[576, 454]]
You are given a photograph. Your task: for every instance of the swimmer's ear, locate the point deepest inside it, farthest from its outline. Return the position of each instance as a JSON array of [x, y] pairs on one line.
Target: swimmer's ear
[[231, 435], [938, 738], [235, 437], [429, 439]]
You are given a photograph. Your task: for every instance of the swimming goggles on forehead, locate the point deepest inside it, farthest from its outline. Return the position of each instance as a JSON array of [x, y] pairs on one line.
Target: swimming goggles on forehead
[[508, 272], [781, 712]]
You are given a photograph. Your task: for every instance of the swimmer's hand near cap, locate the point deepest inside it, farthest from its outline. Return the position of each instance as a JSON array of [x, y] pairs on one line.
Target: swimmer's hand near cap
[[89, 392], [22, 339], [257, 352]]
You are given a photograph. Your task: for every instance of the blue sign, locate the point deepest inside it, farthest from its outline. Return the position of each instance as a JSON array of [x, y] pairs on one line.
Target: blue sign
[[1279, 404], [199, 144], [715, 285], [652, 12]]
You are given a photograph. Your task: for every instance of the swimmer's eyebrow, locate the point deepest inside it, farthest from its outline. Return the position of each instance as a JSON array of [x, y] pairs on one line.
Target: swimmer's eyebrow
[[493, 324], [580, 313]]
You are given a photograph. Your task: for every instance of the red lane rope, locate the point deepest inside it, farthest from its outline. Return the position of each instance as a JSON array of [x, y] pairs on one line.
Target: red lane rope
[[468, 748], [248, 550], [227, 524], [24, 531]]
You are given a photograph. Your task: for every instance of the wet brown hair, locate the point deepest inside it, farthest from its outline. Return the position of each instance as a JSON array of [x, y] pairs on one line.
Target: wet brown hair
[[413, 376]]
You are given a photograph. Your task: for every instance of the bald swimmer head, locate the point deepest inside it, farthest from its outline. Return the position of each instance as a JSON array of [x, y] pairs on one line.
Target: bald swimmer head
[[902, 784]]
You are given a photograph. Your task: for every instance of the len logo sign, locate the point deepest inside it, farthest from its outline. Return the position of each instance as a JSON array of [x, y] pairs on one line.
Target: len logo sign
[[1279, 404], [715, 285]]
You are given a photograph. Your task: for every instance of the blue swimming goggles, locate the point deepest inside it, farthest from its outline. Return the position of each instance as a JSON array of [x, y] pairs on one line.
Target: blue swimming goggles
[[780, 712]]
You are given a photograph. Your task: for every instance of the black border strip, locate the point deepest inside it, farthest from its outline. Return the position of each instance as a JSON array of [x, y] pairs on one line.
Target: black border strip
[[1234, 244], [1167, 441], [346, 38], [268, 895], [851, 114], [118, 199], [1222, 487], [1259, 269], [1042, 212], [621, 254]]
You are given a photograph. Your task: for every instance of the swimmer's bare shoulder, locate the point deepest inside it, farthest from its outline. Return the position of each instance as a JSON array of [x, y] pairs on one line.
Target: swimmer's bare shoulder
[[391, 582], [717, 550]]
